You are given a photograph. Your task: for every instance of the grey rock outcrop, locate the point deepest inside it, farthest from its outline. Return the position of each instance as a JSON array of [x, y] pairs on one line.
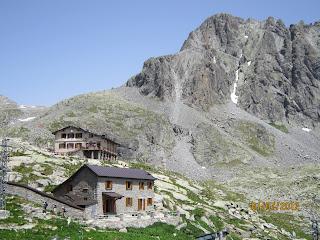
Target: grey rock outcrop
[[9, 111], [278, 68]]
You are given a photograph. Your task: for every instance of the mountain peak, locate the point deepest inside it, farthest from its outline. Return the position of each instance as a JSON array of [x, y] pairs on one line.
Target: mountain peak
[[273, 70]]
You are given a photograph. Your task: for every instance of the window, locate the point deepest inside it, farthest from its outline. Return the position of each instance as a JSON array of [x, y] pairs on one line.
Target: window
[[149, 185], [62, 146], [128, 202], [150, 201], [91, 135], [78, 135], [108, 185], [63, 135], [141, 185], [85, 198], [128, 185], [98, 144], [70, 135], [78, 145], [70, 145], [69, 188], [85, 190]]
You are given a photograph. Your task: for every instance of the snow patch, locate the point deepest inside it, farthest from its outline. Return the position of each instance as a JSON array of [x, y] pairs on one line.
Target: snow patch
[[26, 119], [214, 60], [306, 129], [233, 96], [249, 63], [246, 36], [25, 106]]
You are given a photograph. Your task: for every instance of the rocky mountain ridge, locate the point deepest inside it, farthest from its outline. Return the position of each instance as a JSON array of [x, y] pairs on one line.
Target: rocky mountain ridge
[[12, 113], [276, 69]]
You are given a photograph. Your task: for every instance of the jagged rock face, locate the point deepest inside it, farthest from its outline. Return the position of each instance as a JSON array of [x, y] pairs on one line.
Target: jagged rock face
[[278, 68]]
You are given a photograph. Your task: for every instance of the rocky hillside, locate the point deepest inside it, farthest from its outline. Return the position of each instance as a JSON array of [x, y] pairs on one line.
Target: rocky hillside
[[205, 207], [266, 68], [11, 112], [239, 104]]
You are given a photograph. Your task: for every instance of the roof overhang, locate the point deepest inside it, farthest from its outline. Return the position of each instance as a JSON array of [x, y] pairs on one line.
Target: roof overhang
[[112, 195]]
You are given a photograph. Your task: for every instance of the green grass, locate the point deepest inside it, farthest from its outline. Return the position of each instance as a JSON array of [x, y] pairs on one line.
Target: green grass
[[217, 222], [26, 172], [287, 222], [18, 153], [233, 236], [93, 109], [280, 127], [59, 228], [191, 230], [72, 168], [194, 197], [49, 188], [75, 231], [211, 186], [16, 212], [212, 148], [237, 223], [198, 213], [71, 114], [257, 138], [48, 169]]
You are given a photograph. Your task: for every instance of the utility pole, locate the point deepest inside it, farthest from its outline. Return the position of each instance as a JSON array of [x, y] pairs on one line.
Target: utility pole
[[3, 172], [315, 230]]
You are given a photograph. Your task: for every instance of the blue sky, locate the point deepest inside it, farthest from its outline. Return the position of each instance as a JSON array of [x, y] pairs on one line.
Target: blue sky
[[51, 50]]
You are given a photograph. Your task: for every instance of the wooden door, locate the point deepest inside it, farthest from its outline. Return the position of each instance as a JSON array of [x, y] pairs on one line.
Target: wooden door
[[144, 204], [109, 205]]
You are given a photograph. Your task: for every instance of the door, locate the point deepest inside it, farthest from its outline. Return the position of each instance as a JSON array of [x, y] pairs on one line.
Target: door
[[109, 205]]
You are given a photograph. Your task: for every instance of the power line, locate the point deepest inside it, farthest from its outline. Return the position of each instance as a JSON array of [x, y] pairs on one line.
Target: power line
[[3, 172]]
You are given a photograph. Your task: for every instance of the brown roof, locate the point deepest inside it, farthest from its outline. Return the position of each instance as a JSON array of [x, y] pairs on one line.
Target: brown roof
[[131, 173]]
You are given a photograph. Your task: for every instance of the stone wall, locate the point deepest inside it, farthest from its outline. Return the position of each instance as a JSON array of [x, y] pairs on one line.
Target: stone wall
[[83, 185], [36, 196], [119, 186]]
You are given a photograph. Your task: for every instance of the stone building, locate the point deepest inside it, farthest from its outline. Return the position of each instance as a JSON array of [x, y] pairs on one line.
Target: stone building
[[76, 141], [108, 190]]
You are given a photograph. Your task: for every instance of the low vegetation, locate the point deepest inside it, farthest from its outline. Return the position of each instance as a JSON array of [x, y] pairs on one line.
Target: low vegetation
[[27, 173], [287, 222], [59, 228], [201, 205], [280, 127], [257, 137], [214, 149]]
